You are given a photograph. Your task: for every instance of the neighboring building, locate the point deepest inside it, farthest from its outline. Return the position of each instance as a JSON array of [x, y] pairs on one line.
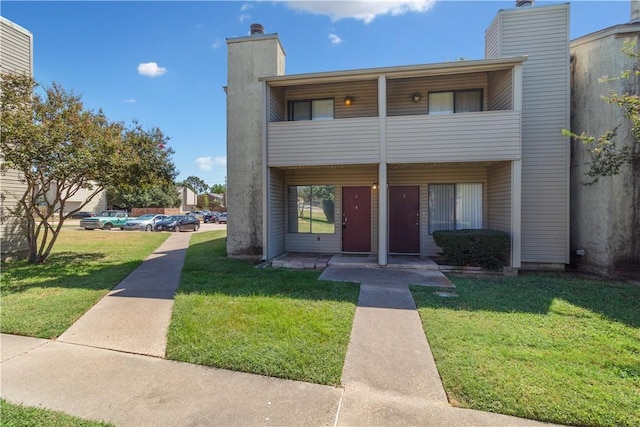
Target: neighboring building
[[188, 198], [16, 56], [96, 205], [373, 161], [605, 217]]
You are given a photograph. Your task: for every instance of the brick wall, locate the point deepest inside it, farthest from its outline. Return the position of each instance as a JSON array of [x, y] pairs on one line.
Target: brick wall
[[166, 211]]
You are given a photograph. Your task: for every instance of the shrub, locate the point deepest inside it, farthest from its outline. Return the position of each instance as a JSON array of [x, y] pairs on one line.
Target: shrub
[[481, 248]]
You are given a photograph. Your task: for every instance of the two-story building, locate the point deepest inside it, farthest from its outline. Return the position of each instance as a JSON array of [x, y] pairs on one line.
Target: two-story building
[[373, 161]]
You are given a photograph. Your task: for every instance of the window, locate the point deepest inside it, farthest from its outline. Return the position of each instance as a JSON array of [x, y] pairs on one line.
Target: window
[[459, 101], [311, 209], [455, 206], [319, 109]]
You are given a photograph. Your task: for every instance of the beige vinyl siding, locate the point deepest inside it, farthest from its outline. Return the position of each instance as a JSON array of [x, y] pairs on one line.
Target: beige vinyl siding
[[492, 38], [340, 177], [542, 34], [423, 175], [323, 142], [500, 90], [481, 136], [364, 94], [276, 104], [16, 56], [499, 197], [399, 91], [16, 53], [276, 219]]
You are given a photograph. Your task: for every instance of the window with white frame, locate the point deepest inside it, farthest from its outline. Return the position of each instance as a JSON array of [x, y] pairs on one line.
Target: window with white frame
[[455, 206], [458, 101], [317, 109]]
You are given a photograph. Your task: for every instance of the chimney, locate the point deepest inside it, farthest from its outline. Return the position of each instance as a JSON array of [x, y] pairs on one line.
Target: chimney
[[524, 3], [635, 11], [257, 30]]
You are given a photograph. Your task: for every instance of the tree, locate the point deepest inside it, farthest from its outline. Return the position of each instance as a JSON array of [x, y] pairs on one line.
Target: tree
[[156, 196], [59, 148], [196, 184], [606, 156], [218, 189]]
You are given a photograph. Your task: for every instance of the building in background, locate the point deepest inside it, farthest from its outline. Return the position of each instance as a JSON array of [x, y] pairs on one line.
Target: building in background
[[605, 216], [16, 56], [188, 198], [373, 161]]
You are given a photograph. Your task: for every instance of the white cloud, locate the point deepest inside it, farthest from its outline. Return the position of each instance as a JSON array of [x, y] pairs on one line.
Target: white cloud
[[207, 163], [365, 11], [130, 100], [151, 69], [244, 17], [335, 39], [246, 6], [216, 43]]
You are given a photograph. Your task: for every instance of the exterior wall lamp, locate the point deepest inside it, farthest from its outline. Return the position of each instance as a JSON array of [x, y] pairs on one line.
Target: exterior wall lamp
[[416, 96], [375, 186], [348, 100]]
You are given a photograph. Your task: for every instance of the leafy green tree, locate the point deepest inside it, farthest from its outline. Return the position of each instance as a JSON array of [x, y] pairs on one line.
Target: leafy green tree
[[196, 184], [218, 189], [60, 148], [156, 196], [607, 157]]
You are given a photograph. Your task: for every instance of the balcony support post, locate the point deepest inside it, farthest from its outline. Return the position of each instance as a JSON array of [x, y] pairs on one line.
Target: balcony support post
[[382, 173]]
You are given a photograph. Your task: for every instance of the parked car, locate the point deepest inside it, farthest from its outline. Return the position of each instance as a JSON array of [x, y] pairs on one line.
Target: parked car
[[222, 218], [210, 217], [106, 220], [82, 214], [178, 223], [144, 222], [197, 214]]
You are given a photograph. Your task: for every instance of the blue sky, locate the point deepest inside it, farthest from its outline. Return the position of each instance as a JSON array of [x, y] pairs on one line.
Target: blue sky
[[164, 63]]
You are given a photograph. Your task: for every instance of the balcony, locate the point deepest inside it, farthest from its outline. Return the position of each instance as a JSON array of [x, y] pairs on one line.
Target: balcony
[[465, 137]]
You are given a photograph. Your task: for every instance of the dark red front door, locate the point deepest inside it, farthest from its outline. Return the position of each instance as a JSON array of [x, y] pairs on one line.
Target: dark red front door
[[404, 220], [356, 219]]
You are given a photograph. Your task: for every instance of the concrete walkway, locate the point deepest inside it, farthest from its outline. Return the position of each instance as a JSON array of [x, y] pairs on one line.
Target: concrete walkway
[[389, 375]]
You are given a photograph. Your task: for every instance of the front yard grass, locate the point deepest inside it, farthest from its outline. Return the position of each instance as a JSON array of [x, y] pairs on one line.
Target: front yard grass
[[546, 347], [44, 300], [25, 416], [275, 322]]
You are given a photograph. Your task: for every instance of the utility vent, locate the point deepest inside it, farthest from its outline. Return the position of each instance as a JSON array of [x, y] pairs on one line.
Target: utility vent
[[257, 30], [524, 3]]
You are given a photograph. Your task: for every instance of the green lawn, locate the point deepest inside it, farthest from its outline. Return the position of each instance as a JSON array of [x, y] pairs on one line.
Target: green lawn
[[546, 347], [275, 322], [44, 300], [24, 416]]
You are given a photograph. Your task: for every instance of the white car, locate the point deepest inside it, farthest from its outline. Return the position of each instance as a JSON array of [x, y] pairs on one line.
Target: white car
[[144, 222]]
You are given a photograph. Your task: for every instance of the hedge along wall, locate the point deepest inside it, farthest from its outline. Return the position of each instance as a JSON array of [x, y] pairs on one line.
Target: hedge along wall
[[165, 211]]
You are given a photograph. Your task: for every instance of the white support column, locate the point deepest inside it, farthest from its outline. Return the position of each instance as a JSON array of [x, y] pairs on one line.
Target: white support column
[[265, 173], [516, 211], [383, 237]]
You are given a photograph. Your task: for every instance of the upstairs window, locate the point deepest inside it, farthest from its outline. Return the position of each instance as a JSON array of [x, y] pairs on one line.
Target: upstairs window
[[458, 101], [318, 109]]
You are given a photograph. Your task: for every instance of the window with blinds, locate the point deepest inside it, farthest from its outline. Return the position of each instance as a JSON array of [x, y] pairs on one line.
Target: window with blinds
[[455, 206]]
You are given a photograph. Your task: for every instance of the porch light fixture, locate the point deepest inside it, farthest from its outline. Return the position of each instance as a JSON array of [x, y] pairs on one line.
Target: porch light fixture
[[416, 96], [375, 186], [348, 100]]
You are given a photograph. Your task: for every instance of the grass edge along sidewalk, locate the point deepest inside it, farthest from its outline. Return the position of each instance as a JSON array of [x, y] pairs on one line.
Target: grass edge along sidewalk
[[274, 322], [541, 346], [44, 300]]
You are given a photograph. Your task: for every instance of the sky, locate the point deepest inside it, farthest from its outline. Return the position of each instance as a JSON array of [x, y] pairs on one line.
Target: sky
[[164, 63]]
